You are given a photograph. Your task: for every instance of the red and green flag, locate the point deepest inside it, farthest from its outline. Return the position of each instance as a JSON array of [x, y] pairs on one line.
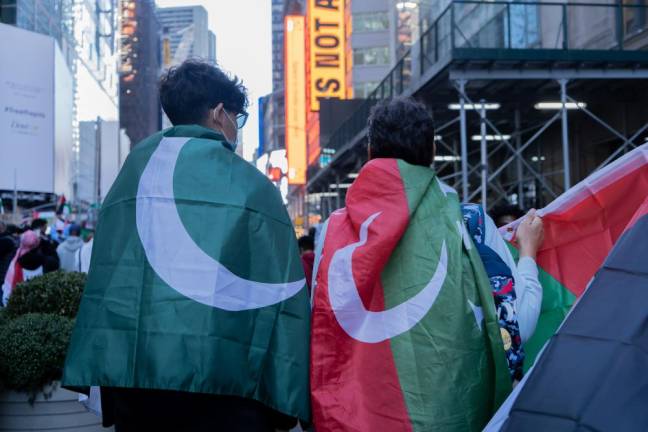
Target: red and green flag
[[581, 227], [404, 334], [195, 281]]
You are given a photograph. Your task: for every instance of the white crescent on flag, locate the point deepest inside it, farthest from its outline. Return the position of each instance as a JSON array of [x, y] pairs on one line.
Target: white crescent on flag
[[373, 327], [177, 259]]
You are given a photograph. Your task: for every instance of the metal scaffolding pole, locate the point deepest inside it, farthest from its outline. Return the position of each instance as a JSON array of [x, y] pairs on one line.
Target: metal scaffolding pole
[[484, 157], [464, 139], [518, 161], [565, 136], [338, 198]]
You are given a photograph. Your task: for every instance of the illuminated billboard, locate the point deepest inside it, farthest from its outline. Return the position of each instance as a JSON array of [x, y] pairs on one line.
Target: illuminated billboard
[[295, 88], [327, 46]]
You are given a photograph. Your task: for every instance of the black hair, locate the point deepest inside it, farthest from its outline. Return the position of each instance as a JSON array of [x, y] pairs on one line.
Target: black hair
[[306, 243], [38, 224], [402, 128], [75, 230], [190, 90], [506, 210]]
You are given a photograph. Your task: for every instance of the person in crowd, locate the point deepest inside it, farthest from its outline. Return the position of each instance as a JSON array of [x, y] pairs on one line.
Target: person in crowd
[[82, 259], [307, 252], [67, 251], [8, 247], [47, 245], [213, 337], [516, 288], [504, 215], [399, 290], [27, 263]]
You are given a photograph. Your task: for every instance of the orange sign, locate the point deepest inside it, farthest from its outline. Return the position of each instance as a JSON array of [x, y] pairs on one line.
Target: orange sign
[[295, 88], [327, 44]]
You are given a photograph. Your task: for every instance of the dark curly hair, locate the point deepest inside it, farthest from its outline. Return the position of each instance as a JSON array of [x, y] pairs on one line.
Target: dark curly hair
[[189, 91], [402, 128]]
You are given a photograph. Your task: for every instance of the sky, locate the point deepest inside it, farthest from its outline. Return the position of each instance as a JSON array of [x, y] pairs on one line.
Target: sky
[[244, 48]]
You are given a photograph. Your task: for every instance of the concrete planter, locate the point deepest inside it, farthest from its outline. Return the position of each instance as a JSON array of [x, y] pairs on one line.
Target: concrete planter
[[61, 412]]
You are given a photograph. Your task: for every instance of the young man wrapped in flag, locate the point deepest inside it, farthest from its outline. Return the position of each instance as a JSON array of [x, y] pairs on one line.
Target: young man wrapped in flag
[[195, 315], [405, 336]]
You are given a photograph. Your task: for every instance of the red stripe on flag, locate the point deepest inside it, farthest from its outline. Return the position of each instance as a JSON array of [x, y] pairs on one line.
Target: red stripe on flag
[[355, 385], [581, 231]]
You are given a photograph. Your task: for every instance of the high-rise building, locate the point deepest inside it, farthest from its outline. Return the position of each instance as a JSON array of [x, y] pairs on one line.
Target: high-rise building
[[277, 45], [185, 34], [374, 43], [139, 110], [211, 56]]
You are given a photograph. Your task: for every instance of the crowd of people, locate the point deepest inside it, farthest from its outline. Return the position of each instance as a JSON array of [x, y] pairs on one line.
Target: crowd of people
[[34, 249], [409, 223]]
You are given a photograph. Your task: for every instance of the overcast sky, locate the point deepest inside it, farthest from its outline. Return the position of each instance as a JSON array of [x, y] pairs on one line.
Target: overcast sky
[[243, 47]]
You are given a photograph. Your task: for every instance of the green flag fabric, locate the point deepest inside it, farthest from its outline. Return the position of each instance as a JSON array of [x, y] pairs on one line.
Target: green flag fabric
[[195, 281], [404, 336]]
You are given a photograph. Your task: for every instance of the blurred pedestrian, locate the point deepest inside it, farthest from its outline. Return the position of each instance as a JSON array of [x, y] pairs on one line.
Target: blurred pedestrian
[[26, 264], [47, 245], [307, 252], [67, 251], [83, 255], [504, 215], [8, 247]]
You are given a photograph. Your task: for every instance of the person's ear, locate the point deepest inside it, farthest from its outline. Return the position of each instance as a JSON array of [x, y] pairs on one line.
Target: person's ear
[[216, 116]]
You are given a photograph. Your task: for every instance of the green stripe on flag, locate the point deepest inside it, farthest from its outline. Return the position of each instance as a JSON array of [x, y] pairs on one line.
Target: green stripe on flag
[[445, 363], [556, 302]]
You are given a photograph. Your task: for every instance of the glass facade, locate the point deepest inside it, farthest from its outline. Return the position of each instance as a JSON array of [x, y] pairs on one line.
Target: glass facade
[[370, 21], [363, 89], [371, 56]]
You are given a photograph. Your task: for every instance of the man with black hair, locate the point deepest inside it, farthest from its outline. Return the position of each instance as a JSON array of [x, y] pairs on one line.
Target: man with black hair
[[47, 246], [67, 251], [195, 316]]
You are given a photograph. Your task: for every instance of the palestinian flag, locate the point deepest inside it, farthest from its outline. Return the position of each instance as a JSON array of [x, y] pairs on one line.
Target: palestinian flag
[[404, 331], [592, 373], [581, 227], [195, 282]]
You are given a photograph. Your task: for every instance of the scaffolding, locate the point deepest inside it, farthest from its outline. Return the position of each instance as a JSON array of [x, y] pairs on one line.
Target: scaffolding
[[477, 57]]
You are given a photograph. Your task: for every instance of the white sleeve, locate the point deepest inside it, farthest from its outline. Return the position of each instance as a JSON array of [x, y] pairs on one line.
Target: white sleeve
[[525, 275]]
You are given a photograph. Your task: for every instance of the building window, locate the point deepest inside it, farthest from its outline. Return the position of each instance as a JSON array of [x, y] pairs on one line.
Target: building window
[[370, 21], [363, 90], [371, 56]]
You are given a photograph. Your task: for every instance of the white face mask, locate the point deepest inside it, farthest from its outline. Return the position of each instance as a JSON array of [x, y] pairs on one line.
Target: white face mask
[[235, 142]]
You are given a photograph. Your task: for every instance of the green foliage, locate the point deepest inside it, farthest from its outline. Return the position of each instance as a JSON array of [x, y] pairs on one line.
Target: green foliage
[[56, 293], [33, 351]]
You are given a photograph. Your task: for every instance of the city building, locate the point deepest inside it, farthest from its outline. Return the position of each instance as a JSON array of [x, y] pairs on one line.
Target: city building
[[528, 98], [185, 34], [86, 35], [211, 51], [373, 42], [277, 45], [139, 109]]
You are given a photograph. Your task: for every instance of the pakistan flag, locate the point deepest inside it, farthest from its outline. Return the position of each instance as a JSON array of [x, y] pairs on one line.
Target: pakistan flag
[[195, 282]]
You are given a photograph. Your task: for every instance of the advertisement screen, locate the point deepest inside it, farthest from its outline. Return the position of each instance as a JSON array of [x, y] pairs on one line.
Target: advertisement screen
[[327, 46], [26, 110], [295, 70]]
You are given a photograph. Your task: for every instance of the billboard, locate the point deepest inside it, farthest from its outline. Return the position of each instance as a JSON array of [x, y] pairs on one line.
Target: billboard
[[26, 110], [295, 88], [327, 47]]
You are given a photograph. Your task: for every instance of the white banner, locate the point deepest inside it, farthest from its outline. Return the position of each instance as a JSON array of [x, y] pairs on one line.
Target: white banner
[[26, 110]]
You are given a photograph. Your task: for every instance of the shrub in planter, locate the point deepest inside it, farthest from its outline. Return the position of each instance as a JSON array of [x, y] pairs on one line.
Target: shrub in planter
[[56, 293], [33, 351]]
